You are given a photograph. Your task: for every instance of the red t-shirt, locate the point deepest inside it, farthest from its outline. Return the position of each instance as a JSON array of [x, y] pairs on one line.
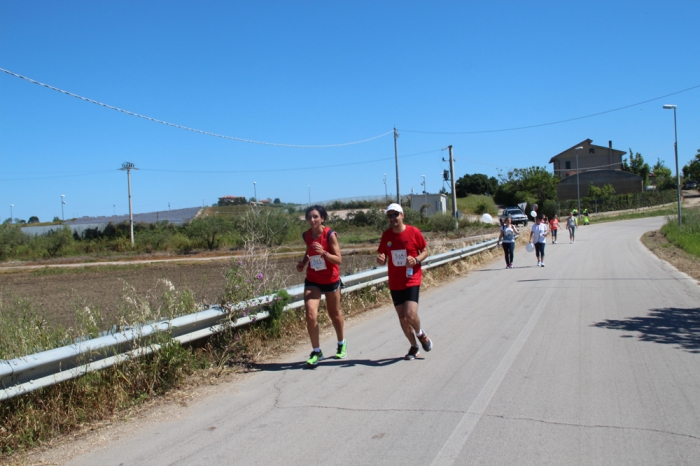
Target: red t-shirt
[[319, 270], [554, 224], [396, 247]]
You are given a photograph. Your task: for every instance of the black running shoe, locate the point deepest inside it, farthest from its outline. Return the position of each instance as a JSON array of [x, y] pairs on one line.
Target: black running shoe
[[425, 342], [413, 352]]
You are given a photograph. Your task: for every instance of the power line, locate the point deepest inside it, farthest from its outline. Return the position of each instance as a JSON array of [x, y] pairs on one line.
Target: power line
[[207, 133], [62, 175], [313, 167], [553, 122]]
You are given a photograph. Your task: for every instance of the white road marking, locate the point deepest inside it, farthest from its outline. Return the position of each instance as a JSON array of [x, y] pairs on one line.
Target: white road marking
[[454, 444]]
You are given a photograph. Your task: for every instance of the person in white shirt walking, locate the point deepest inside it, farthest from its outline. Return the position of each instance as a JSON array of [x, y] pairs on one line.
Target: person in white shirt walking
[[538, 236], [571, 225]]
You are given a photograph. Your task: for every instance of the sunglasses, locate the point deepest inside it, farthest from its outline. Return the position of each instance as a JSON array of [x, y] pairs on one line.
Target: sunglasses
[[393, 215]]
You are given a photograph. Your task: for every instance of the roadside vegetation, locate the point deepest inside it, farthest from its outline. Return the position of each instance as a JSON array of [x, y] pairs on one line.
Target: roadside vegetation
[[34, 418], [686, 236], [222, 229]]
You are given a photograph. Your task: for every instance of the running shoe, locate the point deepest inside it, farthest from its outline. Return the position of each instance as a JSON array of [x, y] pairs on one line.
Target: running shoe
[[542, 264], [342, 351], [314, 358], [539, 264], [425, 342], [413, 352]]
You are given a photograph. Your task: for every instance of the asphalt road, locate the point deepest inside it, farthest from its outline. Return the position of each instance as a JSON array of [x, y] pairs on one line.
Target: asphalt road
[[593, 359]]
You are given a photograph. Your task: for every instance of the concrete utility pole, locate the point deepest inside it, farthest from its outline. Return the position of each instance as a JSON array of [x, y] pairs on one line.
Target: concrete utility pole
[[396, 156], [63, 202], [452, 184], [128, 166], [675, 148]]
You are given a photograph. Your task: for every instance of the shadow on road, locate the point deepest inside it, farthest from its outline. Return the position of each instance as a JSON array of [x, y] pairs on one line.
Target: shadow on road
[[669, 326], [274, 367]]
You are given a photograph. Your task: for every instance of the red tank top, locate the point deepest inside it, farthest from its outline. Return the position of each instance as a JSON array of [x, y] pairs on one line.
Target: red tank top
[[322, 272]]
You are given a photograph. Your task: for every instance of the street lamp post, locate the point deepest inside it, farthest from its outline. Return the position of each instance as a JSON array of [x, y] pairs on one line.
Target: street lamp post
[[425, 194], [675, 147], [309, 186], [63, 202], [255, 191], [578, 188], [11, 218]]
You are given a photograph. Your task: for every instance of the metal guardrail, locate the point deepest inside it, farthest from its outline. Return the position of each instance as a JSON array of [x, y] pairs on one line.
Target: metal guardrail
[[29, 373]]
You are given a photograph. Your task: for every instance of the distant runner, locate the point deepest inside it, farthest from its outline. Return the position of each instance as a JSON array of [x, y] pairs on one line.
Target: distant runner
[[571, 225], [538, 236], [507, 238], [554, 227], [322, 276], [403, 248]]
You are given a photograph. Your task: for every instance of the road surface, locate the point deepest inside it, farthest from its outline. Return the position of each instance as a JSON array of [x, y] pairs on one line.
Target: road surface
[[593, 359]]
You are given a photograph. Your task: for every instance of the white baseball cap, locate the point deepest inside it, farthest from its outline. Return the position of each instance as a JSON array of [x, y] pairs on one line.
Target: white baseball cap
[[395, 207]]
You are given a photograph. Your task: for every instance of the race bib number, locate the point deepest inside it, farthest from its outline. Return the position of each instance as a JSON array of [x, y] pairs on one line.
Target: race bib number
[[317, 263], [398, 257]]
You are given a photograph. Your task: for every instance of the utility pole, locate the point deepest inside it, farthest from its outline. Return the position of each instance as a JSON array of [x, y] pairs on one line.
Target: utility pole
[[396, 156], [127, 167], [452, 186]]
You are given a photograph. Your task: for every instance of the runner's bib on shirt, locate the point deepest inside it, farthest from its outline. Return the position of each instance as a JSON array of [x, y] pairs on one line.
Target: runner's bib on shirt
[[398, 257], [317, 263]]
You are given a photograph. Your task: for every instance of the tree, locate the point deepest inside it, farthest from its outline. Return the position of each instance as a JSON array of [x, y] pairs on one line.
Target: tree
[[691, 170], [56, 219], [208, 230], [664, 178], [601, 194], [277, 201], [33, 219], [534, 184], [477, 183], [55, 240], [638, 166]]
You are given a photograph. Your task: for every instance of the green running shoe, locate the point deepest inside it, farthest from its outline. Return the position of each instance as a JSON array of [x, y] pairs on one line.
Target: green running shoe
[[314, 358], [342, 351]]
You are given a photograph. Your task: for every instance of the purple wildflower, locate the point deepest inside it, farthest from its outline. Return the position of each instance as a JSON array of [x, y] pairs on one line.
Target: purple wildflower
[[260, 276]]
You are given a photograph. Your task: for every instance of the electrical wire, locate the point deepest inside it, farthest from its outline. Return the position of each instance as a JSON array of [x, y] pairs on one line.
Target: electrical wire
[[313, 167], [553, 122], [60, 175], [207, 133]]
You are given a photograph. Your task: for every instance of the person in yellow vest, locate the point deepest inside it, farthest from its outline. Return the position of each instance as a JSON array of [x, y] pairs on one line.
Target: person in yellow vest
[[585, 216]]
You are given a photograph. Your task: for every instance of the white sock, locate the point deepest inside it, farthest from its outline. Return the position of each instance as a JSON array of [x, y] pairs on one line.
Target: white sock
[[317, 350], [341, 342], [420, 333]]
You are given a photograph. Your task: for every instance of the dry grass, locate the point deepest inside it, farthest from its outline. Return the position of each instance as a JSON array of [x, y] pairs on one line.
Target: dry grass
[[76, 407]]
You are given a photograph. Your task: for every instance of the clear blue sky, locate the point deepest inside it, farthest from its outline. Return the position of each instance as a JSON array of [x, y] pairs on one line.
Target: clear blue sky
[[319, 72]]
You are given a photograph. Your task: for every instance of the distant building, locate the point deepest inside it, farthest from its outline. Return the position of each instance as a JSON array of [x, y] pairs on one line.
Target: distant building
[[429, 203], [597, 165], [231, 200]]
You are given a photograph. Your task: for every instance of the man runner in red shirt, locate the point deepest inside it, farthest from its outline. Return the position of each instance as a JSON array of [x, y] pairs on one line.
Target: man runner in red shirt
[[404, 248]]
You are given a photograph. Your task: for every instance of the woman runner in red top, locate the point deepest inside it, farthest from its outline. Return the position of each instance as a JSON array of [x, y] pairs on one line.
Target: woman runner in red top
[[322, 276]]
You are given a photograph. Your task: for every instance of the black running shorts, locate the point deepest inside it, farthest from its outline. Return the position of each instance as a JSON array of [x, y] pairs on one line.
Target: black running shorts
[[409, 294], [329, 288]]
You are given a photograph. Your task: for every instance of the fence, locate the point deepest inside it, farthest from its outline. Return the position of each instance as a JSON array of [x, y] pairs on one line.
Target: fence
[[29, 373]]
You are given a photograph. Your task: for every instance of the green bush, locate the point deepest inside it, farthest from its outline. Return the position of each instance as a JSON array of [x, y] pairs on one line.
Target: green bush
[[443, 223]]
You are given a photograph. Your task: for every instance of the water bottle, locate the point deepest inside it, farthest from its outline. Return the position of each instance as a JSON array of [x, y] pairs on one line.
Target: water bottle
[[409, 271]]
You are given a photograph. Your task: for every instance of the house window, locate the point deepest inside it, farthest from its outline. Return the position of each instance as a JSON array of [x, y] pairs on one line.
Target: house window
[[591, 150], [568, 165]]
